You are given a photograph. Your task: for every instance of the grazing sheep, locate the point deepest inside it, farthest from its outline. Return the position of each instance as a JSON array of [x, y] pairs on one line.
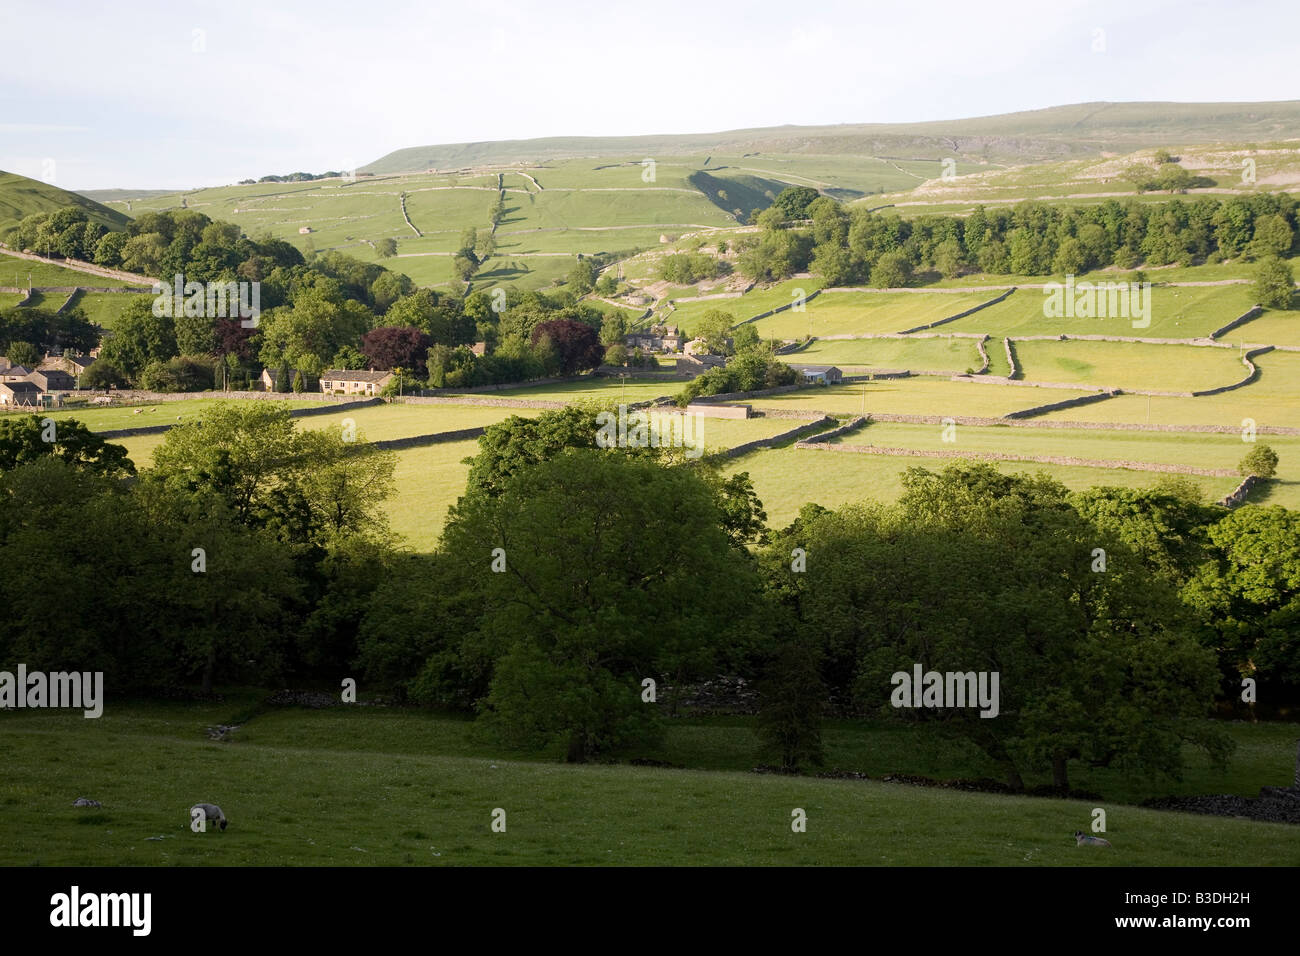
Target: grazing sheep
[[210, 812], [86, 802], [1082, 839]]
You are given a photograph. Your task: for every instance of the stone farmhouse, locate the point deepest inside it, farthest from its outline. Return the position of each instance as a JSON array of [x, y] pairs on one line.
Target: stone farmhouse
[[342, 382]]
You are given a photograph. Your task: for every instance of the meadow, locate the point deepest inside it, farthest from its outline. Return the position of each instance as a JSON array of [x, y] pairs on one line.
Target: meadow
[[930, 354], [383, 786], [871, 313], [785, 479]]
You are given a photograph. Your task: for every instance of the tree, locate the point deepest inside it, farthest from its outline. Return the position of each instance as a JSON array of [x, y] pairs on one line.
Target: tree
[[577, 344], [792, 698], [386, 247], [348, 358], [1274, 283], [1172, 177], [24, 353], [582, 277], [464, 266], [24, 440], [1260, 461], [714, 328], [1093, 667], [892, 270], [793, 202], [389, 347], [616, 354], [600, 590], [745, 337], [139, 338], [1248, 595], [129, 603], [102, 374]]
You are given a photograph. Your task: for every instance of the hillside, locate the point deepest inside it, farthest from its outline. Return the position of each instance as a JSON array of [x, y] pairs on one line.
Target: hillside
[[20, 197], [1059, 132]]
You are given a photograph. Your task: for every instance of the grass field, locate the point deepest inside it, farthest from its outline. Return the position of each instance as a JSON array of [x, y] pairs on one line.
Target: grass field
[[916, 396], [1219, 451], [785, 479], [16, 272], [871, 313], [1129, 365], [385, 787], [1176, 313], [946, 354]]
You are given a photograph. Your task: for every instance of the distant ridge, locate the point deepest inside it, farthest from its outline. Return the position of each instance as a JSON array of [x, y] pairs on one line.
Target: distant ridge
[[1058, 132]]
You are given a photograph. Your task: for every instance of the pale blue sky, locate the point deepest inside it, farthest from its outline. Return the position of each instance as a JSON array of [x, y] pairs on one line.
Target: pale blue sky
[[183, 94]]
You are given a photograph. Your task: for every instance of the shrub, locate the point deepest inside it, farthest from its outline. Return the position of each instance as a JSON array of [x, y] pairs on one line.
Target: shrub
[[1261, 462]]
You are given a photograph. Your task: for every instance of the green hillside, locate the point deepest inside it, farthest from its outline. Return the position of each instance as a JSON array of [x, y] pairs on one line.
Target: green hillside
[[20, 197]]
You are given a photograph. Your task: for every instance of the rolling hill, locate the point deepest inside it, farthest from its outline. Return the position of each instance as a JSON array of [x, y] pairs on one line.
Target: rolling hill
[[20, 197]]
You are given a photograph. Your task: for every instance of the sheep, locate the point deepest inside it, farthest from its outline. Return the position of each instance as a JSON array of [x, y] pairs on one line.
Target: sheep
[[1082, 839], [210, 812]]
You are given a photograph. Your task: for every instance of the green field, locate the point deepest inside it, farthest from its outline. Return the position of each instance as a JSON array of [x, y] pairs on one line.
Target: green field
[[1181, 312], [916, 396], [1129, 365], [919, 355], [871, 313], [17, 272], [785, 479], [752, 303], [377, 786]]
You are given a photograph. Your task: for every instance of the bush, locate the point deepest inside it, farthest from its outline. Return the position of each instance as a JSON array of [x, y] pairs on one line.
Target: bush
[[1261, 462], [185, 373]]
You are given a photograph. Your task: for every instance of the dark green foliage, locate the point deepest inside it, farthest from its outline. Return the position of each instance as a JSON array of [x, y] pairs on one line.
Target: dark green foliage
[[23, 440]]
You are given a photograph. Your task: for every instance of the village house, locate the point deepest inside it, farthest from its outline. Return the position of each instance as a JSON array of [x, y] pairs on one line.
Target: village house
[[53, 380], [269, 379], [340, 381], [75, 365], [658, 338], [20, 393], [15, 373], [824, 374], [699, 364]]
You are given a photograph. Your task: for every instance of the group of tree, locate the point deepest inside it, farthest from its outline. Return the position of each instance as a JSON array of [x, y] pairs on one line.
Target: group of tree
[[1030, 238], [329, 311], [255, 552], [229, 560]]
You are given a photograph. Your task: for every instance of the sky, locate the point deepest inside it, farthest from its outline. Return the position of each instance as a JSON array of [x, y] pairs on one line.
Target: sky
[[180, 94]]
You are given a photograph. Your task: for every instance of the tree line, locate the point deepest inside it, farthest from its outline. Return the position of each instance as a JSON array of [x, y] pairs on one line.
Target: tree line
[[802, 231], [569, 573]]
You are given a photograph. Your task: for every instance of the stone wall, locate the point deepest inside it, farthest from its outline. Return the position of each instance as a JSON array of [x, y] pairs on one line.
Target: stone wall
[[1239, 320], [1250, 375], [1068, 403], [961, 315], [1239, 494], [1011, 358], [437, 438], [850, 426], [749, 446], [780, 308]]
